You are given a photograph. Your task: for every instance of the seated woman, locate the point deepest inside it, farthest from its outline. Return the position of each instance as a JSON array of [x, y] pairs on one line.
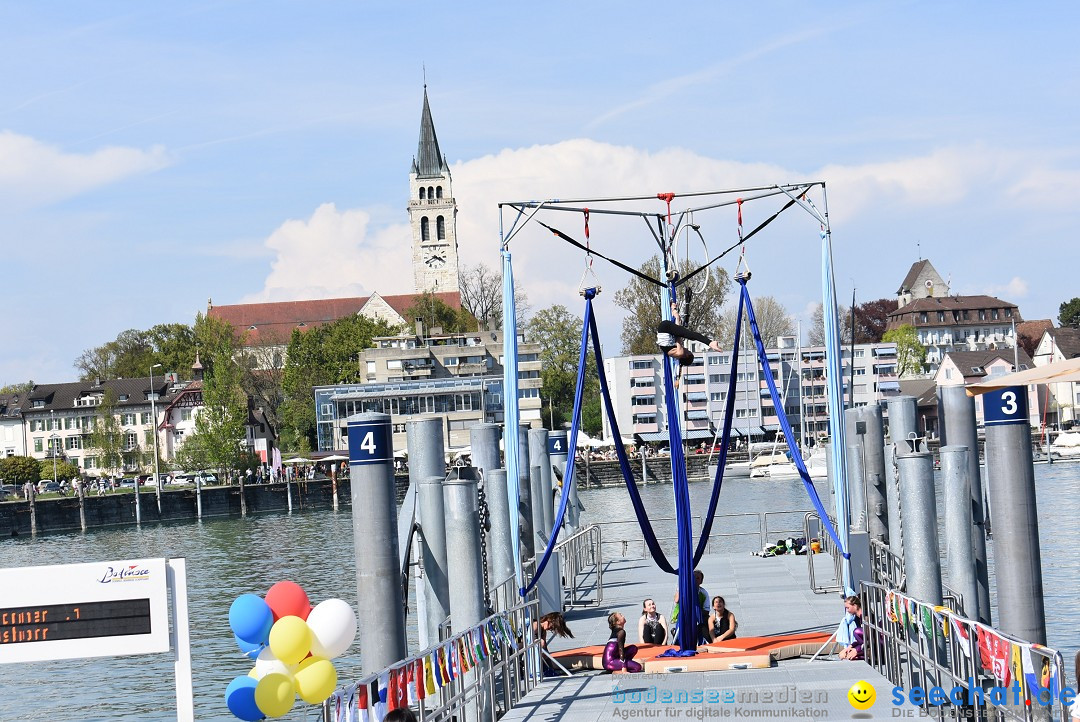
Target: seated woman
[[669, 336], [617, 655], [722, 624], [853, 651], [652, 628]]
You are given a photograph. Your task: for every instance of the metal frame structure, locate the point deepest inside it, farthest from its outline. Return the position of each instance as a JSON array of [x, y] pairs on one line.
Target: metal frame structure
[[664, 226]]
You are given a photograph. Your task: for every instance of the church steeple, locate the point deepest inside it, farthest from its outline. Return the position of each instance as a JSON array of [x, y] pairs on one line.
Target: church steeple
[[432, 214], [429, 161]]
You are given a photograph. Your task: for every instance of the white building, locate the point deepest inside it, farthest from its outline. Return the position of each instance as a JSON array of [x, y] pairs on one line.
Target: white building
[[1060, 344], [12, 438]]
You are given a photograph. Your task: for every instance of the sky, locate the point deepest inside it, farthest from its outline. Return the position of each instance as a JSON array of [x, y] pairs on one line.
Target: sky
[[157, 155]]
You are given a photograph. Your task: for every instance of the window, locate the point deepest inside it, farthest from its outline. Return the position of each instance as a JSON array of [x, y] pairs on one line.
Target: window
[[129, 419], [639, 365], [941, 316], [529, 394], [642, 401], [39, 403], [425, 233], [123, 397], [430, 193], [68, 422], [717, 396], [982, 314], [644, 418], [73, 442], [714, 360], [860, 353], [714, 378], [860, 371], [995, 314], [641, 383], [527, 357], [1008, 313], [440, 228], [130, 441], [144, 417], [438, 192], [393, 364], [37, 425], [948, 374], [90, 462], [976, 369], [423, 193], [923, 317], [38, 445]]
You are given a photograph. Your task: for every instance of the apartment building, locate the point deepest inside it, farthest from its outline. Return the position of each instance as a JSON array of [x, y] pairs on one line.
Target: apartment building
[[455, 376]]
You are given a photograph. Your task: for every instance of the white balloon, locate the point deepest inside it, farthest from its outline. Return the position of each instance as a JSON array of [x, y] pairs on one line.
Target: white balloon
[[333, 628], [266, 663]]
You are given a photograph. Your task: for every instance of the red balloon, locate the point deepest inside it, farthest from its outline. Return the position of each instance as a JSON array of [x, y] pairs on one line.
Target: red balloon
[[288, 599]]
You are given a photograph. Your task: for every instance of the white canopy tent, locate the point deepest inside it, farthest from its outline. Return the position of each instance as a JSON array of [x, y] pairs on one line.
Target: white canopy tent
[[1053, 373]]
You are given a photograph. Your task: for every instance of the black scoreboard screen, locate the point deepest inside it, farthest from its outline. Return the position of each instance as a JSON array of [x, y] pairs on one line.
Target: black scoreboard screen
[[48, 622]]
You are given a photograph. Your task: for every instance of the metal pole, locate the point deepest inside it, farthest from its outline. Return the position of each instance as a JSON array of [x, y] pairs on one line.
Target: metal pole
[[198, 497], [500, 540], [917, 497], [525, 500], [959, 553], [558, 452], [957, 425], [873, 457], [539, 457], [153, 436], [1017, 557], [854, 430], [540, 534], [467, 608], [378, 578], [427, 468], [484, 441], [903, 424]]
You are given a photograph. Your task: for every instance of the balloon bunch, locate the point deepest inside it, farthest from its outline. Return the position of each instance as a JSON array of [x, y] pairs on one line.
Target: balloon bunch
[[292, 645]]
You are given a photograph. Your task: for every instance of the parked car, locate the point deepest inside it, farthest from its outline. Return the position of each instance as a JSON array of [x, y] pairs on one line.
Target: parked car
[[49, 487], [128, 482]]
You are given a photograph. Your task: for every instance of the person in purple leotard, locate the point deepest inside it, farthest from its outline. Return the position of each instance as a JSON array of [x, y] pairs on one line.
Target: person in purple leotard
[[617, 654]]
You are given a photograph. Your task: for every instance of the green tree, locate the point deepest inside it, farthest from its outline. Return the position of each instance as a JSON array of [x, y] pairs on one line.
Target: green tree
[[910, 354], [328, 354], [435, 313], [133, 352], [106, 437], [64, 470], [642, 300], [20, 469], [1069, 313], [559, 334], [221, 420], [18, 389]]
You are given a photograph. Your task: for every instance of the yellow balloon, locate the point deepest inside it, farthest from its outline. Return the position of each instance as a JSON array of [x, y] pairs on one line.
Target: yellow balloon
[[290, 639], [275, 695], [316, 679], [254, 673]]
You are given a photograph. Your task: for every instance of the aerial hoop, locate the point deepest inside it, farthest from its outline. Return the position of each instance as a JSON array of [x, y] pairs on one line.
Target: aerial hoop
[[691, 227]]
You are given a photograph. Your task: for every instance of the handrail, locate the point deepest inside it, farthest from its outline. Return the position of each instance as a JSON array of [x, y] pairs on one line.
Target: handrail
[[581, 565], [901, 645], [511, 669]]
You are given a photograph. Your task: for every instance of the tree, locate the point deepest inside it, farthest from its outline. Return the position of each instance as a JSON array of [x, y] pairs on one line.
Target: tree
[[220, 423], [481, 296], [559, 334], [1027, 342], [642, 300], [1069, 313], [772, 318], [872, 318], [328, 354], [133, 352], [435, 313], [64, 470], [816, 335], [20, 469], [18, 389], [910, 354], [106, 437]]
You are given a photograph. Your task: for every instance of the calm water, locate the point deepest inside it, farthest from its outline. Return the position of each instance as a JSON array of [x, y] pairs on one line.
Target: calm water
[[227, 558]]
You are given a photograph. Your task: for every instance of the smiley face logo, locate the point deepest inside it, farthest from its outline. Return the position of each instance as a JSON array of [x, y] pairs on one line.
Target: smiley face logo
[[862, 695]]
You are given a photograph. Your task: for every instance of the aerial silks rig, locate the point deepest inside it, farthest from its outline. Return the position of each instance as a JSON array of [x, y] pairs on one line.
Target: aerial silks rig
[[665, 225]]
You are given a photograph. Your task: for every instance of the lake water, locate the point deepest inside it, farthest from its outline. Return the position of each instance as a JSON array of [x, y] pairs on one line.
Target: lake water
[[230, 557]]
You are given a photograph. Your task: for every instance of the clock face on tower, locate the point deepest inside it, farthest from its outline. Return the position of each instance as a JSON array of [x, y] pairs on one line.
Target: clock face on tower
[[435, 260]]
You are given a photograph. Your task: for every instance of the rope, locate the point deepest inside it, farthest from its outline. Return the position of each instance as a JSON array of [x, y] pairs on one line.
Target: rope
[[612, 261]]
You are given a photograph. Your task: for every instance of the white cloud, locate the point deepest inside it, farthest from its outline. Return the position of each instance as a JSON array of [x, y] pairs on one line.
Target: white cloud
[[334, 254], [36, 173], [1014, 289]]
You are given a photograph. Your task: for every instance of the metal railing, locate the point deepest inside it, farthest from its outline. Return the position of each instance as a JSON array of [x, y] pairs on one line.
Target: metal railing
[[764, 526], [915, 644], [511, 669], [581, 567], [812, 530]]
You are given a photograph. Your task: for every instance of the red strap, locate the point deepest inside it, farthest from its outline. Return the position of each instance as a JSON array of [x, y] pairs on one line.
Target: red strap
[[586, 223], [738, 205], [667, 197]]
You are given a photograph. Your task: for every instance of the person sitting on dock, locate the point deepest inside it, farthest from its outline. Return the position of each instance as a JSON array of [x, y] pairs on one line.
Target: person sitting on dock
[[703, 606], [652, 628], [854, 651], [670, 334], [722, 624], [617, 655]]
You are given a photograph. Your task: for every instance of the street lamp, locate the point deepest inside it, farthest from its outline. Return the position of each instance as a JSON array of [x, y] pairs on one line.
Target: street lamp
[[153, 433]]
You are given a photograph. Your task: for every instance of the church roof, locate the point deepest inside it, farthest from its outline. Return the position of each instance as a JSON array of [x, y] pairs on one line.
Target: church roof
[[913, 275], [270, 324], [429, 161]]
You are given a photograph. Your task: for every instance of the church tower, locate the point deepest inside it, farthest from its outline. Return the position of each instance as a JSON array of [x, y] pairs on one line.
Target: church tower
[[432, 214]]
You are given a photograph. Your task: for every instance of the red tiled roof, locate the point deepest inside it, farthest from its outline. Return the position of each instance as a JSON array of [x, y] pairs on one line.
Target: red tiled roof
[[948, 304], [268, 324], [1034, 329]]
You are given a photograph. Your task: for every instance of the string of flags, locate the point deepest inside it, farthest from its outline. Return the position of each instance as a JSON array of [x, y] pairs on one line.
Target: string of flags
[[1004, 658], [408, 682]]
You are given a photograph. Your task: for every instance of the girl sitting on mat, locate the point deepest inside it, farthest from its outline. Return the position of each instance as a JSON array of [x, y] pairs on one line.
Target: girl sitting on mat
[[652, 628], [722, 624], [617, 655]]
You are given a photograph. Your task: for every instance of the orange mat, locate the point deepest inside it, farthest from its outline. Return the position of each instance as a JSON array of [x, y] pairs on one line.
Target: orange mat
[[738, 653]]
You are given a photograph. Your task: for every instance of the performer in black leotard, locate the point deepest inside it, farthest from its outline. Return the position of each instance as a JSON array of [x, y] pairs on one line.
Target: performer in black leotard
[[652, 627], [722, 624], [669, 336]]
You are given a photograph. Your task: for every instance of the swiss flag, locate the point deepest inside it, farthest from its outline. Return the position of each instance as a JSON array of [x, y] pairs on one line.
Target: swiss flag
[[995, 654]]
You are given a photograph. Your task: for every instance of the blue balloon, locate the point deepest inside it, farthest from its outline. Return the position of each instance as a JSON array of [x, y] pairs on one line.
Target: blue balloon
[[250, 649], [250, 618], [240, 698]]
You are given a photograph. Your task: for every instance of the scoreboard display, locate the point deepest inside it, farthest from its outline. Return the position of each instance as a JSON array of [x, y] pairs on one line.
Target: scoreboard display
[[84, 610]]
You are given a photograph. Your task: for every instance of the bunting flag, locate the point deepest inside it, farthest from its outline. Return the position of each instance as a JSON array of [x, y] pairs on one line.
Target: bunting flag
[[446, 663], [1031, 671], [410, 684], [963, 641], [496, 636], [995, 654], [941, 616], [489, 643], [1048, 676], [418, 686], [462, 650], [399, 688], [928, 621], [890, 607], [361, 699], [470, 649], [508, 633], [429, 676], [482, 638], [436, 671], [379, 691], [337, 703]]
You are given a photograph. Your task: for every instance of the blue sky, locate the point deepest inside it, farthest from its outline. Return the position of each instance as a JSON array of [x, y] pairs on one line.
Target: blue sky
[[156, 155]]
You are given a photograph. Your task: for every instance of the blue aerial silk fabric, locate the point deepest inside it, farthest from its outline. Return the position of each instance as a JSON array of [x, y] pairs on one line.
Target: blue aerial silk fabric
[[510, 410]]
